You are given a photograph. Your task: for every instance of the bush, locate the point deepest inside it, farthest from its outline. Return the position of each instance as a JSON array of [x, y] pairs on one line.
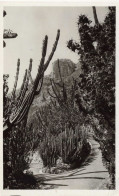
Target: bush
[[63, 133], [16, 151], [19, 180]]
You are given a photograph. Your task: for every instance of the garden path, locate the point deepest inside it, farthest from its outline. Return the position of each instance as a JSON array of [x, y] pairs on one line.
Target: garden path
[[91, 175]]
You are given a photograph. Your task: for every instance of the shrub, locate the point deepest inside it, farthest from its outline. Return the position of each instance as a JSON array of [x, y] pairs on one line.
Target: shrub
[[16, 151], [19, 180]]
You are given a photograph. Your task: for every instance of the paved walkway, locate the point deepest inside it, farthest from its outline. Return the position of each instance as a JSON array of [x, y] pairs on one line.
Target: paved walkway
[[91, 175]]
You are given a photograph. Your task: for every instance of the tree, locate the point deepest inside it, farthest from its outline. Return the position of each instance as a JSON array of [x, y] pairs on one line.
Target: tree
[[97, 87], [95, 93]]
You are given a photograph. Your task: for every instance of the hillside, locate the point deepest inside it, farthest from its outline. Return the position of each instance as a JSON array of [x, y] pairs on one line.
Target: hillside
[[43, 96]]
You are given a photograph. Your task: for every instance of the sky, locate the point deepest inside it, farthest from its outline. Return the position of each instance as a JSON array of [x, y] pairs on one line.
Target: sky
[[32, 24]]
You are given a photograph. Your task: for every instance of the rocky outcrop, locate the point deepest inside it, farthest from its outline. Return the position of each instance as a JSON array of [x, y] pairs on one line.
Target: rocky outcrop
[[67, 67]]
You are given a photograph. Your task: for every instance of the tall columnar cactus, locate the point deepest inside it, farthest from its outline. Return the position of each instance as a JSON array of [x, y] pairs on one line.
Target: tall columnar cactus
[[26, 94], [59, 89], [16, 80], [64, 95], [95, 15]]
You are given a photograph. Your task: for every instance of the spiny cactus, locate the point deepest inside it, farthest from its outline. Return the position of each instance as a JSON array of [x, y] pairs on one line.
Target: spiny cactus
[[68, 145], [16, 80], [26, 95], [60, 91], [95, 15]]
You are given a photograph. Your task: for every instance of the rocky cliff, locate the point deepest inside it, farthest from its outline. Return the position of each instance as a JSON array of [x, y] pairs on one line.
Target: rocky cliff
[[67, 67], [69, 70]]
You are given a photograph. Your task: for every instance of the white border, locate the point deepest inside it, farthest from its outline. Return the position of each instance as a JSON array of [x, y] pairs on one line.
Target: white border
[[59, 192]]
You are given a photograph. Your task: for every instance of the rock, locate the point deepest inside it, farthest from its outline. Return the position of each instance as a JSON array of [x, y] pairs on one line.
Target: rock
[[25, 171], [67, 67], [46, 170], [52, 170], [58, 171], [40, 171], [59, 161], [29, 172]]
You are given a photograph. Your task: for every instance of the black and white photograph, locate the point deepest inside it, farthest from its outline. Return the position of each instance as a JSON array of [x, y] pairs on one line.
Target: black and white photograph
[[59, 97]]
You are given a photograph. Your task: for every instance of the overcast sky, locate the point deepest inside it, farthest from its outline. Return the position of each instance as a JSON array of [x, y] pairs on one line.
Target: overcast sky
[[32, 24]]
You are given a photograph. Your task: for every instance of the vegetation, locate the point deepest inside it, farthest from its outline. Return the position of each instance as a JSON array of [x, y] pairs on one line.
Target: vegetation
[[95, 93], [17, 140], [63, 133], [71, 111]]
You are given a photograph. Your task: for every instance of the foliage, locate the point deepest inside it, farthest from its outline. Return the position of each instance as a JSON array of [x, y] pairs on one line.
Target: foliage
[[69, 145], [17, 140], [95, 93], [97, 87], [63, 134], [16, 145], [22, 181], [5, 92], [16, 152], [49, 150]]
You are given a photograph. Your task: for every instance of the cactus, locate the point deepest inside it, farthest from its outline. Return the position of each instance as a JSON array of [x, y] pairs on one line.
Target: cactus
[[60, 92], [26, 96], [16, 80], [95, 16], [68, 145]]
